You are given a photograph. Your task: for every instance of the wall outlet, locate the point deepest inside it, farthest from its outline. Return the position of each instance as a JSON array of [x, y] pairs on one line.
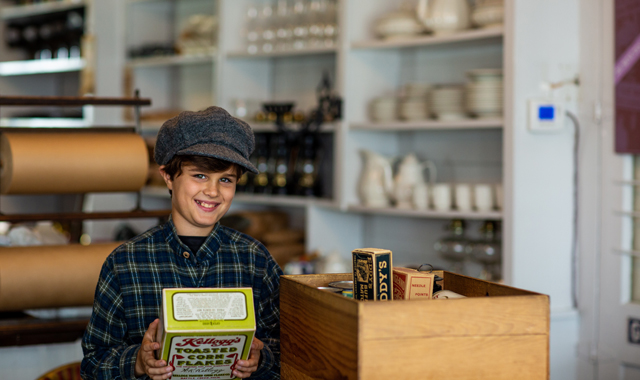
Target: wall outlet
[[545, 116]]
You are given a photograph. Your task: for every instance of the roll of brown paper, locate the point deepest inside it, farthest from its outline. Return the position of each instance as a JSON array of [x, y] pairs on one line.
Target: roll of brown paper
[[50, 276], [58, 163]]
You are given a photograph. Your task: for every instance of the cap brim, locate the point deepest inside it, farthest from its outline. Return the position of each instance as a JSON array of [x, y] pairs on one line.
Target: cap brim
[[220, 152]]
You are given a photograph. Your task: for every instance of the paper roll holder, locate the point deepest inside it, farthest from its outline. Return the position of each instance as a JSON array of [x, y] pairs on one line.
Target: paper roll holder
[[67, 101]]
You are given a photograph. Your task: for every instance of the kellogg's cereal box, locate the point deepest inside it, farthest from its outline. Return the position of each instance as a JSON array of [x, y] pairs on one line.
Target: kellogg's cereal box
[[205, 331]]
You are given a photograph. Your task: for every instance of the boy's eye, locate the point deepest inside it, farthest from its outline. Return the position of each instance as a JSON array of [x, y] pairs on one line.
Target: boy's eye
[[200, 176], [227, 180]]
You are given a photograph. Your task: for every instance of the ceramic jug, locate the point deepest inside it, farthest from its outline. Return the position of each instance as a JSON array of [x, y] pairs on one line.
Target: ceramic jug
[[375, 184], [409, 176], [444, 16]]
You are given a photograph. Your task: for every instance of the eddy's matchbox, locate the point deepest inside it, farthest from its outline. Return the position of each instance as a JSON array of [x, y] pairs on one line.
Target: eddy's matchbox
[[372, 274], [203, 332]]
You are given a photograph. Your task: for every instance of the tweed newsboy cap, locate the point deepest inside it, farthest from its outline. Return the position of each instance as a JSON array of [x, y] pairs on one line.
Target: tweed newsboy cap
[[212, 132]]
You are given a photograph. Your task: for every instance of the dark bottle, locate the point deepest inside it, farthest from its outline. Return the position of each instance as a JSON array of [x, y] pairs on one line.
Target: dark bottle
[[306, 175], [261, 180], [13, 36], [30, 38], [280, 165], [46, 49], [73, 35]]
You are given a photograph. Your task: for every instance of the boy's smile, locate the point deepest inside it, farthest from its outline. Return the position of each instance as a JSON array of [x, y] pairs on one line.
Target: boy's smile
[[200, 198]]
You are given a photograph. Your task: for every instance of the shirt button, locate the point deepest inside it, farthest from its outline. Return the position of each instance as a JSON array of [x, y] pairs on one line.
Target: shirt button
[[186, 255]]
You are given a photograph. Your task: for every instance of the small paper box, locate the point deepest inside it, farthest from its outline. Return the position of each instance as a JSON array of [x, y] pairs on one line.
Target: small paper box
[[372, 276], [410, 284], [205, 331]]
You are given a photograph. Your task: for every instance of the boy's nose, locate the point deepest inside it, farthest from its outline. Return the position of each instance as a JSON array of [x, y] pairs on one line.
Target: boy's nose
[[211, 190]]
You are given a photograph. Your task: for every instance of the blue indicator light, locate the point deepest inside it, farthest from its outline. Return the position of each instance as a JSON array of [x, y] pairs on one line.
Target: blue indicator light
[[546, 112]]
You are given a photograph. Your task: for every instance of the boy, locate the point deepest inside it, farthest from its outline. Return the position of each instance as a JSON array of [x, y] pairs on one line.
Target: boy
[[201, 156]]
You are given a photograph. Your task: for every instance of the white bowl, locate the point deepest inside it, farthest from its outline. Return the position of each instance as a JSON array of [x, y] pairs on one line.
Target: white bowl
[[491, 16], [489, 75], [398, 25], [451, 116]]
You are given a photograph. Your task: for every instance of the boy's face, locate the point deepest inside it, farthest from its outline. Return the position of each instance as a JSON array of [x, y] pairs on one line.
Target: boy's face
[[200, 198]]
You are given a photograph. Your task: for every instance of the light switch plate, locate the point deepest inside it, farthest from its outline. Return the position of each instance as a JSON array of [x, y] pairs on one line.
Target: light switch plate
[[545, 116]]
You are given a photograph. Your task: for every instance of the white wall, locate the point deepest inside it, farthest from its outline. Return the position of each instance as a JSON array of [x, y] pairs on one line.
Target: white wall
[[30, 362], [545, 49]]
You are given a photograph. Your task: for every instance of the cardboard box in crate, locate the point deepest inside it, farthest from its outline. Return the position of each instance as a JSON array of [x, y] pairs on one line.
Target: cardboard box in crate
[[497, 333]]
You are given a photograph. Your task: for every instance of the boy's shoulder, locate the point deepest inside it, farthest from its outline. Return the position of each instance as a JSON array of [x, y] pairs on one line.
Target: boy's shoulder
[[150, 237], [228, 235]]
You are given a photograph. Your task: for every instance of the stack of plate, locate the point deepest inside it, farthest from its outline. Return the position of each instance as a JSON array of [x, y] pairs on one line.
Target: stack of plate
[[413, 105], [484, 93], [383, 109], [447, 102], [413, 109], [417, 89]]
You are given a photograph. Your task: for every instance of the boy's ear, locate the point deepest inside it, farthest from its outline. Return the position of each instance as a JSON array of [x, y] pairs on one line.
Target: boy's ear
[[166, 176]]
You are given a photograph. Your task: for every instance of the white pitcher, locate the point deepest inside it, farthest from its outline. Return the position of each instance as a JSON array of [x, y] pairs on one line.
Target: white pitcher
[[375, 184], [444, 16], [410, 175]]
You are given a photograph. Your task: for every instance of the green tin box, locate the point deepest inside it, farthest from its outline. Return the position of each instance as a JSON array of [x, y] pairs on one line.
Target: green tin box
[[204, 331]]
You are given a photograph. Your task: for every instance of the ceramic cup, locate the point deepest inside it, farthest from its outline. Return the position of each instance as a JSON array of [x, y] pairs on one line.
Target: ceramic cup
[[463, 197], [442, 196], [421, 196], [498, 196], [483, 197]]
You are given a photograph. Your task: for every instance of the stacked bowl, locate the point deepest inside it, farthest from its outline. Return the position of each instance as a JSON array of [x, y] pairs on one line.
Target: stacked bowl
[[488, 13], [484, 97], [413, 104], [383, 109], [447, 102]]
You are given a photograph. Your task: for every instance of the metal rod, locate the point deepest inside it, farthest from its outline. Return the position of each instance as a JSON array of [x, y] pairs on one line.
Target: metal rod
[[136, 114], [70, 101]]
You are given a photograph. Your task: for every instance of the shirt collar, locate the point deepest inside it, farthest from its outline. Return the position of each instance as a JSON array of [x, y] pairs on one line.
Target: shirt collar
[[210, 247]]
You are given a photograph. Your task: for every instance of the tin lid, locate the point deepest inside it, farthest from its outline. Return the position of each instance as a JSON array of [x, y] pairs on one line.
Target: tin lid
[[342, 284], [329, 289]]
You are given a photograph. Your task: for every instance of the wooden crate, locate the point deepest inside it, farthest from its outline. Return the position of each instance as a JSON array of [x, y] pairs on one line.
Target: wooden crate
[[499, 332]]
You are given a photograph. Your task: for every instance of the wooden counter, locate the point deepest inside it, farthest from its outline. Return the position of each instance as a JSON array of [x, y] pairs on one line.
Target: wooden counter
[[19, 329], [499, 332]]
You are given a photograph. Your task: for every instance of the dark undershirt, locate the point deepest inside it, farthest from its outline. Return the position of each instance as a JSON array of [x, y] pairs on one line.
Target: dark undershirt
[[193, 242]]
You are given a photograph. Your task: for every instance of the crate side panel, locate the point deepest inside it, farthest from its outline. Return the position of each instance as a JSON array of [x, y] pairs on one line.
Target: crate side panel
[[524, 357], [288, 372], [318, 333], [473, 287], [456, 317], [315, 280]]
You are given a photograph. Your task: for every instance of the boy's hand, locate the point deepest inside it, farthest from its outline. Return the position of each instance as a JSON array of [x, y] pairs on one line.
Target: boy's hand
[[146, 362], [245, 368]]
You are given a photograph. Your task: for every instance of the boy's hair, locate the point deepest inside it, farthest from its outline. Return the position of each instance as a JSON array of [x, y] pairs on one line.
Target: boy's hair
[[209, 164]]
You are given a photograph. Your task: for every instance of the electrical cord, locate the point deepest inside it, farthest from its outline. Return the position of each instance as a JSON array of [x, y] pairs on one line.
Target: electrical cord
[[574, 239]]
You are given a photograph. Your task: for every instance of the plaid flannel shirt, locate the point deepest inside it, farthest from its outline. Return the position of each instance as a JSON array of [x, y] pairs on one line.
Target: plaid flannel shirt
[[129, 294]]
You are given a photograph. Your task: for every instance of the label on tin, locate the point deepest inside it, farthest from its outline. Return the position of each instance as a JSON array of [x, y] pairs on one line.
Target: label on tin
[[205, 357], [363, 277], [383, 277], [209, 306]]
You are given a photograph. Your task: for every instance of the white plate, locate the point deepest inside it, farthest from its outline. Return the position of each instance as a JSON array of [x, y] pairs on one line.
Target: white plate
[[451, 116]]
